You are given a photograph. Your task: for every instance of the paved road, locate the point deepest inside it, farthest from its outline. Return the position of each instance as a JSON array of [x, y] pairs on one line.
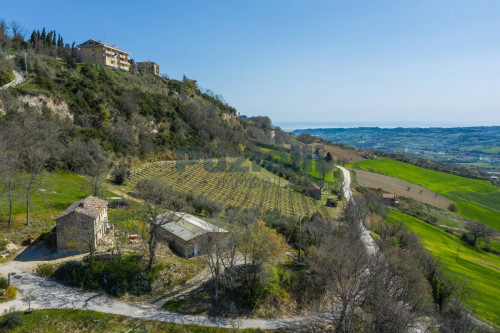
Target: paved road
[[53, 295], [17, 81], [371, 247]]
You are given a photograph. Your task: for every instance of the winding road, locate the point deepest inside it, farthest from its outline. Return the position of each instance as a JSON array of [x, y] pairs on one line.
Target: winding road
[[53, 295], [371, 247], [17, 81]]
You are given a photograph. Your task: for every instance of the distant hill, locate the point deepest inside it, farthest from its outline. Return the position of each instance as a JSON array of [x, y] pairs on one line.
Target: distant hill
[[467, 146]]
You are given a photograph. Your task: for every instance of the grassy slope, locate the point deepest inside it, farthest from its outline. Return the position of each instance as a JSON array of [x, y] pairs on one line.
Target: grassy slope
[[444, 184], [472, 263], [44, 207], [83, 321]]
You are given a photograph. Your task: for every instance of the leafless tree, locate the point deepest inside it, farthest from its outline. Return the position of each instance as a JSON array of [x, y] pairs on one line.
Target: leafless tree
[[478, 230], [158, 199], [9, 169], [17, 31], [342, 268], [396, 295]]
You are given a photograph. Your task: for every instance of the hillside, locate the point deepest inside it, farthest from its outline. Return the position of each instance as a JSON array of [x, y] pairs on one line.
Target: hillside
[[466, 146], [474, 198], [481, 269]]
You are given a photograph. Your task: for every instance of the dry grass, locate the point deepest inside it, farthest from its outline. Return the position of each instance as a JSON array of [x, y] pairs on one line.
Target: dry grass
[[400, 187], [340, 153]]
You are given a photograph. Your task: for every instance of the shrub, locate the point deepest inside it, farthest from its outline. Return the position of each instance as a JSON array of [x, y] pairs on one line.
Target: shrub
[[120, 175], [4, 283], [452, 207], [117, 276], [45, 270], [11, 292], [11, 320]]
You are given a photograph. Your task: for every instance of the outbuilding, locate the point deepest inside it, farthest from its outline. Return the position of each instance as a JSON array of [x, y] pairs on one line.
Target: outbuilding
[[187, 234]]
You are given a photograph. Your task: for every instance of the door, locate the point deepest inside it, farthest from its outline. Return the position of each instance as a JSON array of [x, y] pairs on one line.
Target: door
[[196, 249]]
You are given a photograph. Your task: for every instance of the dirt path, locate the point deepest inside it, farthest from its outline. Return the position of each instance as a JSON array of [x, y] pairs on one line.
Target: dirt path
[[370, 245], [17, 81]]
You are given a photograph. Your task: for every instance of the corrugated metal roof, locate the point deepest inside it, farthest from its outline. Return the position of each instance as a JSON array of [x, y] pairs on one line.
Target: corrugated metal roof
[[188, 227]]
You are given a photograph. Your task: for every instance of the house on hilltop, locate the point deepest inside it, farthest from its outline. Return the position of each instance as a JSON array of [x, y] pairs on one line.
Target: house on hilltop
[[188, 234], [99, 53], [80, 227], [149, 67]]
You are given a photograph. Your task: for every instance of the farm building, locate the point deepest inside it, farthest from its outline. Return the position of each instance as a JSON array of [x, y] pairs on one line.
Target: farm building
[[315, 192], [80, 227], [389, 198], [188, 234]]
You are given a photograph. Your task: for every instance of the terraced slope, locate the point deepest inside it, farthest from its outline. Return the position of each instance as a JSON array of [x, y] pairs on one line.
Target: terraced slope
[[231, 186]]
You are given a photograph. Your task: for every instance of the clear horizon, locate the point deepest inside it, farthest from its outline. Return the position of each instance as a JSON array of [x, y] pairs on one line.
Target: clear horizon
[[307, 61]]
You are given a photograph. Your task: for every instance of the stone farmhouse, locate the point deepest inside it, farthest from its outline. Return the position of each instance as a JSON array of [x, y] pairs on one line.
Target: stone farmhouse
[[187, 235], [389, 199], [80, 227]]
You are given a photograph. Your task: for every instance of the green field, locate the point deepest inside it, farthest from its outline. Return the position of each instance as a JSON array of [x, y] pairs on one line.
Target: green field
[[62, 321], [50, 197], [242, 188], [475, 199], [481, 268]]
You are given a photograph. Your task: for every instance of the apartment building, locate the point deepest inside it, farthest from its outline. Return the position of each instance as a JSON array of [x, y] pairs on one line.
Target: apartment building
[[149, 67], [100, 53]]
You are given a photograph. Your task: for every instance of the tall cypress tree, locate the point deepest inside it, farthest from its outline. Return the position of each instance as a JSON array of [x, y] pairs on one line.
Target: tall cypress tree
[[54, 38], [44, 35]]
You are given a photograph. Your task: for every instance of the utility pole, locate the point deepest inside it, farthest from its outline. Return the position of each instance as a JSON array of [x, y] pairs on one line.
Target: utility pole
[[26, 63], [300, 237]]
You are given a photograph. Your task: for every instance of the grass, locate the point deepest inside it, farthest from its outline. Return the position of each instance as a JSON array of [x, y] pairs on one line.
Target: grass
[[490, 200], [433, 180], [91, 321], [401, 188], [52, 195], [482, 269], [473, 197]]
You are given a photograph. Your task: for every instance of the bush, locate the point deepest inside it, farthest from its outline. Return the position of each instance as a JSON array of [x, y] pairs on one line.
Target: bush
[[11, 320], [452, 207], [120, 175], [11, 292], [117, 276], [45, 270], [4, 283]]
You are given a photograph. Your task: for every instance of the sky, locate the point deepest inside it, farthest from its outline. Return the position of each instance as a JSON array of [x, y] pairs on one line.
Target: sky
[[332, 61]]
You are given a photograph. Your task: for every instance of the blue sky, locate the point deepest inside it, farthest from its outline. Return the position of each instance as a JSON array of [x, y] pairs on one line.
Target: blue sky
[[315, 61]]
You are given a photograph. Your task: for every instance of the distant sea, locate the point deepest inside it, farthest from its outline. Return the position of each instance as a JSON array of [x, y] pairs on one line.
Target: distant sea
[[293, 125]]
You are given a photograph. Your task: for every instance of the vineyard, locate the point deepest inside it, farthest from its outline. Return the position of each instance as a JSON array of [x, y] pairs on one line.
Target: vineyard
[[231, 186]]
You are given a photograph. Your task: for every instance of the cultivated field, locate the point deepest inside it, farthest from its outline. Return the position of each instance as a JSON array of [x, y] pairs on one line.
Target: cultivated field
[[474, 204], [481, 269], [231, 186], [339, 153], [401, 188]]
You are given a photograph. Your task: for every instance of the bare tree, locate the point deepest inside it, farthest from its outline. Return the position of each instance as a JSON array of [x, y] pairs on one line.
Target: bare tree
[[341, 265], [97, 177], [158, 199], [478, 230], [9, 172], [17, 31]]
